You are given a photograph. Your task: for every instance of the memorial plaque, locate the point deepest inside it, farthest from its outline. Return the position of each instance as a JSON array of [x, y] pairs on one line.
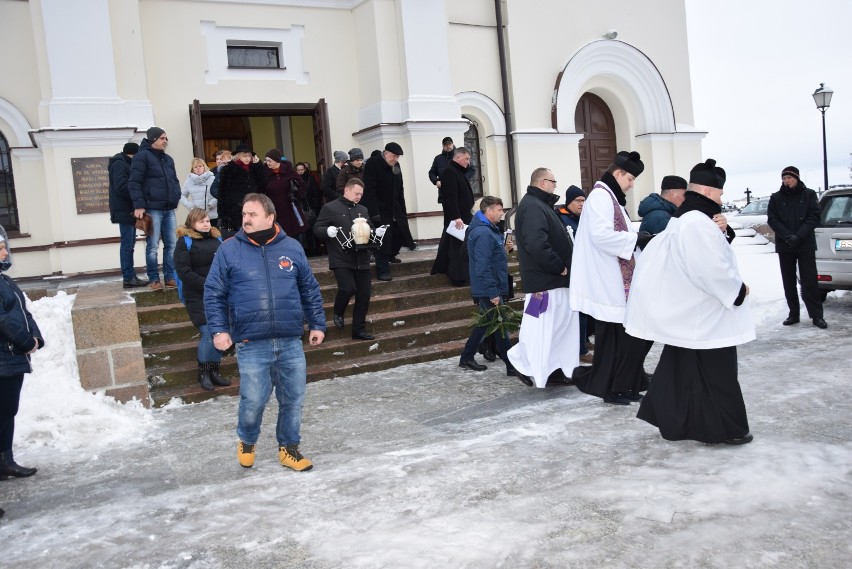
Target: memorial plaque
[[91, 184]]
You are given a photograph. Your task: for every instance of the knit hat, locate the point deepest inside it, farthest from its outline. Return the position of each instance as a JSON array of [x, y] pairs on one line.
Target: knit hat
[[447, 140], [340, 156], [275, 155], [708, 174], [356, 154], [130, 148], [791, 171], [572, 193], [673, 183], [629, 162], [154, 133], [394, 148]]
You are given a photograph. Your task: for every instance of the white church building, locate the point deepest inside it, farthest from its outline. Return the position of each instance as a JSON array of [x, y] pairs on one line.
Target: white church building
[[524, 83]]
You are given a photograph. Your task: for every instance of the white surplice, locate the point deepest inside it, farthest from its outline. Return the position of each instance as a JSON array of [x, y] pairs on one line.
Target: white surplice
[[684, 288], [549, 341], [596, 284]]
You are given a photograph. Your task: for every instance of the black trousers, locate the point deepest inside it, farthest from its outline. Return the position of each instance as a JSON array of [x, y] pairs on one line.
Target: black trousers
[[808, 276], [357, 283], [695, 395], [10, 396], [617, 365]]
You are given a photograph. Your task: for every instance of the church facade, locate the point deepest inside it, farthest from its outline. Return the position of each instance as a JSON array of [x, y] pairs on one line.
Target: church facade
[[564, 84]]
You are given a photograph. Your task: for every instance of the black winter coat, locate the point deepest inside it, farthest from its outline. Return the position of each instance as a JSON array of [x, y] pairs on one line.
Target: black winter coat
[[794, 211], [329, 184], [120, 205], [234, 184], [18, 331], [544, 248], [341, 213], [458, 195], [153, 182], [383, 190], [347, 173], [192, 267]]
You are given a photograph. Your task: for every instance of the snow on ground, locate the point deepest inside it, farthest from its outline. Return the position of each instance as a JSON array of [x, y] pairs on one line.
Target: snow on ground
[[428, 466]]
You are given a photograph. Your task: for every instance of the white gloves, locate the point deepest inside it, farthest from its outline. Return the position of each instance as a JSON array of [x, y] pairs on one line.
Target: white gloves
[[331, 231], [380, 231]]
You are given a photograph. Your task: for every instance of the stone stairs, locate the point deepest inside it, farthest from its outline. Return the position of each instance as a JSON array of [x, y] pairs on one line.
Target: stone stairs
[[416, 317]]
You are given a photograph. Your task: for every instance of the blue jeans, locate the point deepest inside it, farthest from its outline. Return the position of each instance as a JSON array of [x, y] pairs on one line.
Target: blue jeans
[[127, 231], [277, 363], [165, 226], [207, 352], [478, 334]]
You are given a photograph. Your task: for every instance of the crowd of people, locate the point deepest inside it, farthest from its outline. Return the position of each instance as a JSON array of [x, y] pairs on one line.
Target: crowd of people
[[585, 272]]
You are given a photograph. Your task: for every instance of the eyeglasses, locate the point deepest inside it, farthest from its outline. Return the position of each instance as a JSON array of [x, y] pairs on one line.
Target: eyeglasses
[[549, 180]]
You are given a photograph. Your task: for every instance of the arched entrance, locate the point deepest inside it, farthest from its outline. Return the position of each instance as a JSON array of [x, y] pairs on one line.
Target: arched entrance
[[597, 148], [471, 141]]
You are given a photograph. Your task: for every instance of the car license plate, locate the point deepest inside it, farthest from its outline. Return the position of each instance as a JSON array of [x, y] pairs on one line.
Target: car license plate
[[843, 245]]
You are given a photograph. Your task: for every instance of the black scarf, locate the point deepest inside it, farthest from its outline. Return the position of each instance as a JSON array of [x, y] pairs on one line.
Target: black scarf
[[263, 236], [693, 201], [610, 181]]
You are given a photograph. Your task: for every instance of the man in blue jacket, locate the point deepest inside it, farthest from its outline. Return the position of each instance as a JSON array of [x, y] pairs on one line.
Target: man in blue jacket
[[656, 210], [155, 189], [258, 293], [489, 276]]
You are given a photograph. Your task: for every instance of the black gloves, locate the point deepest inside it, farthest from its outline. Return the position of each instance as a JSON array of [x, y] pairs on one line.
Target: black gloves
[[643, 238], [793, 241]]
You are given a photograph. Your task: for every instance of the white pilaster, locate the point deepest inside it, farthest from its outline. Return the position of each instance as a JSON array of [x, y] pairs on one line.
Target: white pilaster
[[427, 61]]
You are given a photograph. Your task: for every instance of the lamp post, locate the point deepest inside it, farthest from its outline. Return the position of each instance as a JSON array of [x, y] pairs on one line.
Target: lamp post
[[822, 98]]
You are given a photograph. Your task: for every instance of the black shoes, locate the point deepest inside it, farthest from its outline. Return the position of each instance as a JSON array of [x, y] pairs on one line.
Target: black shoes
[[362, 335], [395, 260], [204, 376], [8, 467], [820, 323], [216, 377], [135, 282], [791, 320], [525, 379], [745, 439], [471, 364], [385, 277], [557, 377], [338, 321]]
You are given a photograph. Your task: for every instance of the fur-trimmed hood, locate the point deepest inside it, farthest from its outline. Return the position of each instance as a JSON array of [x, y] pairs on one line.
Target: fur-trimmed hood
[[183, 231]]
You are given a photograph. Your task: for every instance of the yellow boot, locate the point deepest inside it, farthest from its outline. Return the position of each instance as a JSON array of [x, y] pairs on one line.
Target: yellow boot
[[291, 458], [245, 454]]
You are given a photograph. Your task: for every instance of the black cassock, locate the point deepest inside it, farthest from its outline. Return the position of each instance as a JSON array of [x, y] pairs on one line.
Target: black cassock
[[457, 204], [695, 395]]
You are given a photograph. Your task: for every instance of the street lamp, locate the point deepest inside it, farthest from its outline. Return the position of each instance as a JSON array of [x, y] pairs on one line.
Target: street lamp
[[822, 98]]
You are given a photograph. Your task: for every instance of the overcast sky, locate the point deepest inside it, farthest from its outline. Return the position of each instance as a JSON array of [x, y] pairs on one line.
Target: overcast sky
[[754, 67]]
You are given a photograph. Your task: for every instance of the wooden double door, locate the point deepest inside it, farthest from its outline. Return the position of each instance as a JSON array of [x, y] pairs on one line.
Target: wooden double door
[[598, 147]]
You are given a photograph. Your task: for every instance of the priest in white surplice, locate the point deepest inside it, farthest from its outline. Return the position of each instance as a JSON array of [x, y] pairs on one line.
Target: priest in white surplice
[[688, 294], [550, 330], [601, 271]]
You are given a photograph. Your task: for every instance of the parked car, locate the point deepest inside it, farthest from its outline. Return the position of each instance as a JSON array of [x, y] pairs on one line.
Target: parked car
[[752, 214], [834, 241]]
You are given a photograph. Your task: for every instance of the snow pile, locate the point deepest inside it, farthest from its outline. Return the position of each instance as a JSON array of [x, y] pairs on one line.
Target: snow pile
[[55, 410]]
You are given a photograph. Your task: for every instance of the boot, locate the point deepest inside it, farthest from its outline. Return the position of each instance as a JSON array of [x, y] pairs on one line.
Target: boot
[[8, 467], [204, 376], [216, 377]]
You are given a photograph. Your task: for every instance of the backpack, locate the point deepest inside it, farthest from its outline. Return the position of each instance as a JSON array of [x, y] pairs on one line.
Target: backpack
[[188, 240]]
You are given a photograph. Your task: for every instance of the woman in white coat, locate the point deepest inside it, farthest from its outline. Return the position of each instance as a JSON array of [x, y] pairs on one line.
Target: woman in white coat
[[688, 294], [196, 190]]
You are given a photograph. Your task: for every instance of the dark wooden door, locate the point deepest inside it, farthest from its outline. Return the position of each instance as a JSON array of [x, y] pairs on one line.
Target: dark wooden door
[[597, 148], [322, 138], [197, 131]]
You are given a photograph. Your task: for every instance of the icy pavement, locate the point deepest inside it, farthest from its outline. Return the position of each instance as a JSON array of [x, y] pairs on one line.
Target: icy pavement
[[430, 466]]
